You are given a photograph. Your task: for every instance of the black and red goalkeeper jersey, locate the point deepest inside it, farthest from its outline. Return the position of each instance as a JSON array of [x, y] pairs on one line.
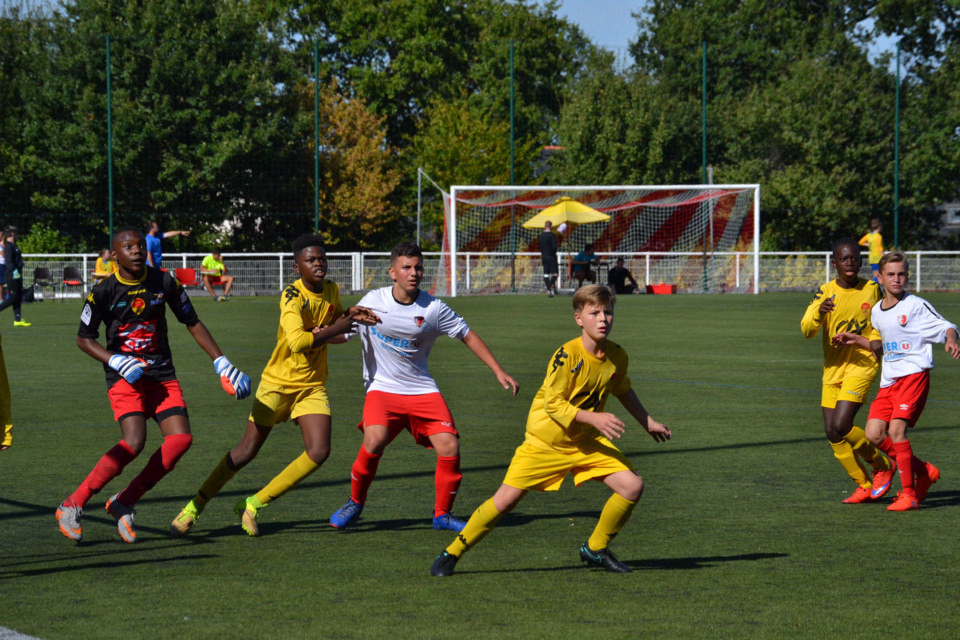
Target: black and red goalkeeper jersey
[[134, 315]]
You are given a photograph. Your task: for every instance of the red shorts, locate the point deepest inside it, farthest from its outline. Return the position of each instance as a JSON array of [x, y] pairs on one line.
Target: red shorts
[[422, 415], [157, 400], [214, 280], [903, 400]]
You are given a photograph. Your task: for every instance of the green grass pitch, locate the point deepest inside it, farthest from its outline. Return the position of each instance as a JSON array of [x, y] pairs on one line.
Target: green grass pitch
[[740, 532]]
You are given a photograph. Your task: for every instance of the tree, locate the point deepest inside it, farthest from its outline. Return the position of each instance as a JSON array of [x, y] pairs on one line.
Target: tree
[[358, 175], [621, 128]]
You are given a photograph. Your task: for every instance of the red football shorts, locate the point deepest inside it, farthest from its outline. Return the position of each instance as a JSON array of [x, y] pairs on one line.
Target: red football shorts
[[903, 400], [422, 415], [215, 280], [147, 398]]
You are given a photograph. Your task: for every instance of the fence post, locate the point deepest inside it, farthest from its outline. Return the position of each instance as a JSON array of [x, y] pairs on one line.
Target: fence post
[[280, 256], [918, 272]]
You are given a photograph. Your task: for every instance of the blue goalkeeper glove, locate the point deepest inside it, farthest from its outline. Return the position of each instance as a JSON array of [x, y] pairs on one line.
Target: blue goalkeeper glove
[[234, 381], [127, 366]]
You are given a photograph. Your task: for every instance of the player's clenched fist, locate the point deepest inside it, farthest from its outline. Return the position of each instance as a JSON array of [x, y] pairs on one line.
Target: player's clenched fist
[[128, 367], [234, 381]]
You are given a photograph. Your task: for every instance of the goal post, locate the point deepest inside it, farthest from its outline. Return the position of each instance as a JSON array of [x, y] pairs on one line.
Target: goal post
[[702, 238]]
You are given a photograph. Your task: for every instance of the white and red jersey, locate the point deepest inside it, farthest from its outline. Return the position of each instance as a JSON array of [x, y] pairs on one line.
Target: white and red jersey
[[395, 351], [908, 330]]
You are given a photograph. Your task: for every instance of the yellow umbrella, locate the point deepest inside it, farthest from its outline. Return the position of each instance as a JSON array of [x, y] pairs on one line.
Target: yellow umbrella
[[565, 210]]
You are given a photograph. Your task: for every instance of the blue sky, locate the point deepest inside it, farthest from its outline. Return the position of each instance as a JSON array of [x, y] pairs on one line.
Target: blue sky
[[607, 23]]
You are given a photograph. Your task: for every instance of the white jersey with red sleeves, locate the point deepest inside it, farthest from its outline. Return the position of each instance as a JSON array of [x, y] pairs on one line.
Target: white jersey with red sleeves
[[908, 330], [395, 351]]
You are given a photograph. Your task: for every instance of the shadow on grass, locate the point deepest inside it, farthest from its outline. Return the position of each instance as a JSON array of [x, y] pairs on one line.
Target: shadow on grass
[[701, 562], [85, 551], [653, 564], [940, 499]]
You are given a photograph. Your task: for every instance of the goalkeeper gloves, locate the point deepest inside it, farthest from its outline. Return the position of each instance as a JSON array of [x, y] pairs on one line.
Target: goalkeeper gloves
[[127, 366], [234, 381]]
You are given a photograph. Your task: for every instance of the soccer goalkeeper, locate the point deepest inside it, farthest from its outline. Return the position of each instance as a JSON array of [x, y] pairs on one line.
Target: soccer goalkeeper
[[141, 381], [568, 430]]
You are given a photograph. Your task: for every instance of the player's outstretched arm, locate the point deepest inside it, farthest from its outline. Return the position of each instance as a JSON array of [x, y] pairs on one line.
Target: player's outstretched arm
[[234, 381], [657, 430], [845, 338], [334, 332], [480, 349]]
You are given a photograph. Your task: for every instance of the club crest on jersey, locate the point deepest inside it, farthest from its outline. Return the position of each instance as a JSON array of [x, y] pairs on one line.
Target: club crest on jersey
[[865, 308], [902, 320], [138, 305], [419, 320]]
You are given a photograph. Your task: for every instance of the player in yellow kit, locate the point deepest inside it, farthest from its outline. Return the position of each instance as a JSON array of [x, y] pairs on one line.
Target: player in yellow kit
[[842, 305], [293, 386], [874, 242], [568, 430]]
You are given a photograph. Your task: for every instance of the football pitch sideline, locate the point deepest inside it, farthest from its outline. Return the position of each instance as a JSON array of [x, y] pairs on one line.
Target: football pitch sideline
[[740, 532]]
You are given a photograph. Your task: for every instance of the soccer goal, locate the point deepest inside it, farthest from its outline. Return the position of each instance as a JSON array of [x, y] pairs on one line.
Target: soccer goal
[[701, 238]]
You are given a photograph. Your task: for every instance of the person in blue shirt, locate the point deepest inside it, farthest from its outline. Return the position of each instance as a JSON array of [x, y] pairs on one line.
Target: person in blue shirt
[[582, 264], [154, 251]]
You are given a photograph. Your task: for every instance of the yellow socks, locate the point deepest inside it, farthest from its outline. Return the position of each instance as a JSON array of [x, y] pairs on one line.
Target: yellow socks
[[482, 522], [288, 478], [843, 452], [214, 482], [866, 449], [614, 515]]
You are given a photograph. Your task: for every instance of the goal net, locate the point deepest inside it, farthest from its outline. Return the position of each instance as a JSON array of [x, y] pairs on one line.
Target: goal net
[[701, 238]]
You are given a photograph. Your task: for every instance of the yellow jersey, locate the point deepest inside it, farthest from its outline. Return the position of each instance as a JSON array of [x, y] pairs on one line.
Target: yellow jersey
[[296, 363], [103, 269], [576, 380], [852, 313], [874, 241]]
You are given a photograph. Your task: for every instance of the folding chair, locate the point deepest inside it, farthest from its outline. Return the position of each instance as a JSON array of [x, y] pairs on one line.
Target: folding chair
[[72, 278], [187, 277], [42, 277]]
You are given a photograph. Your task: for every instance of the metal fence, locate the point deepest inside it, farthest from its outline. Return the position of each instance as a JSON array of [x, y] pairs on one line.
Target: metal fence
[[495, 273]]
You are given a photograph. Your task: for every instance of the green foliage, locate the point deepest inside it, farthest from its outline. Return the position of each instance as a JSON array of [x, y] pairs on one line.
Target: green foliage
[[43, 238]]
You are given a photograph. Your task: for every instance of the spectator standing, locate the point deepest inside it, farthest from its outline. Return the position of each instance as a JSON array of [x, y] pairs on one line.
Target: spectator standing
[[154, 250], [548, 258]]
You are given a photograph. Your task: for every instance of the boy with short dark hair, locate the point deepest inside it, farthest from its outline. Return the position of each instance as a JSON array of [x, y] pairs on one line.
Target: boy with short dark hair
[[293, 386], [141, 381], [908, 326], [401, 395], [569, 431], [843, 304]]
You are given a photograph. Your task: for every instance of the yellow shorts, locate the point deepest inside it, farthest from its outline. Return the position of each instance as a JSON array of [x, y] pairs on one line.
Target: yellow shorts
[[275, 404], [852, 389], [544, 470]]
